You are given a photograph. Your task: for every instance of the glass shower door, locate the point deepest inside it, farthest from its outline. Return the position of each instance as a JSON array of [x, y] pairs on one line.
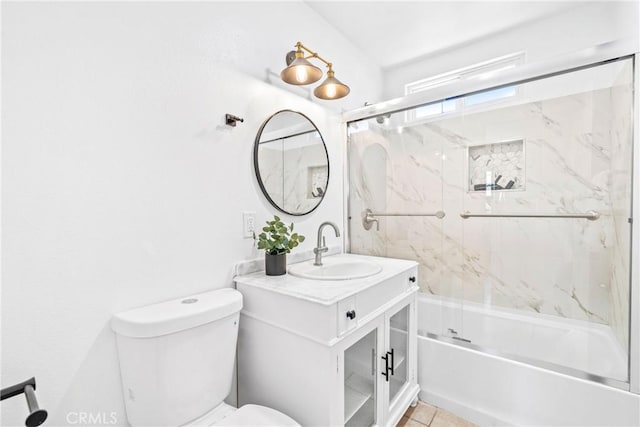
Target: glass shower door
[[531, 259], [544, 222], [396, 174]]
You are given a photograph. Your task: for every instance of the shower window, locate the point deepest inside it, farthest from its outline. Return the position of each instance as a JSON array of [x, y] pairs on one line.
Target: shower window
[[540, 274], [489, 95], [481, 70]]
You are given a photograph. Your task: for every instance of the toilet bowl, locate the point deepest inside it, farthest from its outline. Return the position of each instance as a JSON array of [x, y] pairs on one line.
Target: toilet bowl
[[256, 415], [177, 360], [247, 415]]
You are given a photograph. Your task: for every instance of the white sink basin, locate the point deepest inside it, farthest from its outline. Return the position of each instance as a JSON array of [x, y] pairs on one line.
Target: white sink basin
[[337, 267]]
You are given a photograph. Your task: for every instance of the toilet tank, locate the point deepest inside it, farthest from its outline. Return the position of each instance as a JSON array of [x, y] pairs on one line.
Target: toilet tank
[[177, 357]]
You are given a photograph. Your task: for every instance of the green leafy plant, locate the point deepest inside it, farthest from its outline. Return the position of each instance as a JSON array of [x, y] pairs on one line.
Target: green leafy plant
[[277, 238]]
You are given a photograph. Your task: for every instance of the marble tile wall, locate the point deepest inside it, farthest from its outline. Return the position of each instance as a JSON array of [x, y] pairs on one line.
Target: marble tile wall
[[272, 170], [289, 172], [577, 158], [299, 165]]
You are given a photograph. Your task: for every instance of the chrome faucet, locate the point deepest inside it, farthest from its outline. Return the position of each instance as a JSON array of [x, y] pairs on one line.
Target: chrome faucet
[[322, 245]]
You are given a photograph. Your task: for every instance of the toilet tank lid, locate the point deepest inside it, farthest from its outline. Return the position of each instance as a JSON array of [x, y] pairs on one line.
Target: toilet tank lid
[[177, 315]]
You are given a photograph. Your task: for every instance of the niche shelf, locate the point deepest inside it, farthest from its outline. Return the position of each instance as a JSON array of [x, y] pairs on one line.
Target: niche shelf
[[497, 167]]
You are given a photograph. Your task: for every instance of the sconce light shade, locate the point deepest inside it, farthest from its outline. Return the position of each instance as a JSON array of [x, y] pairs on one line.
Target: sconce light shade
[[301, 71], [331, 88]]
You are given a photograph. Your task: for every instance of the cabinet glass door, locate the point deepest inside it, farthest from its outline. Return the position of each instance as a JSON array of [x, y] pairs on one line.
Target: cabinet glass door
[[398, 349], [360, 381]]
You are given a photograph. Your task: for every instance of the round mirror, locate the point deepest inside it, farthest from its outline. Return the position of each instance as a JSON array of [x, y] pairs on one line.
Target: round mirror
[[291, 162]]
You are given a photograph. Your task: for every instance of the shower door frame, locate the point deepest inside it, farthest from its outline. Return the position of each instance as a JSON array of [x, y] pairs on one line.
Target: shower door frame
[[634, 291], [597, 55]]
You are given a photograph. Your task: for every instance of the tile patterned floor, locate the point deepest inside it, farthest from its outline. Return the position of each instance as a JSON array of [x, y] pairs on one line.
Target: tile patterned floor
[[426, 415]]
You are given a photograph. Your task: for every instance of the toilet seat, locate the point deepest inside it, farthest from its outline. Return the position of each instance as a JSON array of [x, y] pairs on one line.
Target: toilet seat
[[256, 415]]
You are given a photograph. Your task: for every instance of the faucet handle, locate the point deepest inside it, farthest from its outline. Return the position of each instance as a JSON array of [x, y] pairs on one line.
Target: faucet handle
[[368, 219]]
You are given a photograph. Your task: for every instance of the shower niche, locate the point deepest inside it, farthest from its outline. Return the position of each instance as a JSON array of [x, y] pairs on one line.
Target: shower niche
[[497, 166]]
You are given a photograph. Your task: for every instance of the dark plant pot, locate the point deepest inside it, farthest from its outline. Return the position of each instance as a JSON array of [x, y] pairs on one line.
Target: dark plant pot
[[275, 265]]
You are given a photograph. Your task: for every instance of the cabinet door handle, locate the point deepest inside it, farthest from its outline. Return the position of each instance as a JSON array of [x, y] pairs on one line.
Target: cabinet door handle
[[385, 374], [412, 279], [351, 314], [390, 353]]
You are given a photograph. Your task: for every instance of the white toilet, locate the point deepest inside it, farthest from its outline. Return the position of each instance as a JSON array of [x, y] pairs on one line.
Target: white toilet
[[176, 362]]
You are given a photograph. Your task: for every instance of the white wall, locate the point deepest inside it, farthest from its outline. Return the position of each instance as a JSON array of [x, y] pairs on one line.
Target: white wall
[[578, 28], [121, 184]]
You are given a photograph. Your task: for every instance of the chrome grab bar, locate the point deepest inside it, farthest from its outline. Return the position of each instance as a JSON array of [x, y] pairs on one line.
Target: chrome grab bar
[[590, 215], [369, 217]]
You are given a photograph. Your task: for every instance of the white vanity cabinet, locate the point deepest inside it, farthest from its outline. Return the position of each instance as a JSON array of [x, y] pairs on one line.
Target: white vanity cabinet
[[330, 352]]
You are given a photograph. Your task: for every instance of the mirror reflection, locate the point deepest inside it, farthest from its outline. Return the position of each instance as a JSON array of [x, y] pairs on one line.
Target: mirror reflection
[[291, 162]]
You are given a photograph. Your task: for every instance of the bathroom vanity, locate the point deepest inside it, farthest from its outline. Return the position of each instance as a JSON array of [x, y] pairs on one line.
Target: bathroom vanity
[[327, 351]]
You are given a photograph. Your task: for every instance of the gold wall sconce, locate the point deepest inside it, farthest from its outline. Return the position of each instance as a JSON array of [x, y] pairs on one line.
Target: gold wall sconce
[[300, 71]]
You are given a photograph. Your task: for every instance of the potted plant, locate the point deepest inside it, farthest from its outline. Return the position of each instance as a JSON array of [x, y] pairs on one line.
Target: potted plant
[[277, 240]]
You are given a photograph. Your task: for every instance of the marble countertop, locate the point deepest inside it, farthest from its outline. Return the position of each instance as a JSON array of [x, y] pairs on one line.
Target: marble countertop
[[326, 292]]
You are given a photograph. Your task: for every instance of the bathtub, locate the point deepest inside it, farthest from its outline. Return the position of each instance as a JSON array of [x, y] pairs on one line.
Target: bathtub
[[502, 367]]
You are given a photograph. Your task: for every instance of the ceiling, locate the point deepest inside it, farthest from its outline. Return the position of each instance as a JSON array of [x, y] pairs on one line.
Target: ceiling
[[394, 32]]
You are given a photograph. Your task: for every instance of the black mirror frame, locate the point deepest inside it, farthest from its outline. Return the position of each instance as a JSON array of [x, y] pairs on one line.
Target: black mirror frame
[[256, 168]]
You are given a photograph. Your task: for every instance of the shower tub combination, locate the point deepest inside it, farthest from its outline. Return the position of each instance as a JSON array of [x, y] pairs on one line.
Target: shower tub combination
[[525, 315], [536, 373]]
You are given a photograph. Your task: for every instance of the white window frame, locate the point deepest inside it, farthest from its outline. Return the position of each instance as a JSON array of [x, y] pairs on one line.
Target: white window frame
[[481, 70]]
